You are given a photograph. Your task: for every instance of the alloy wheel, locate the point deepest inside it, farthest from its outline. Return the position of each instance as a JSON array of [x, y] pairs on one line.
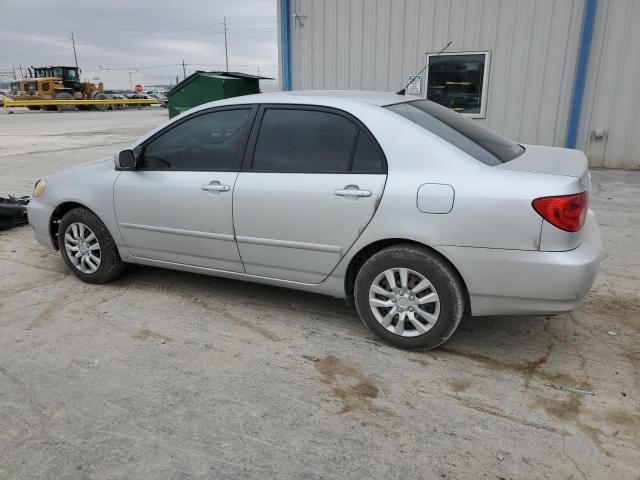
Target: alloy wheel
[[82, 248], [404, 302]]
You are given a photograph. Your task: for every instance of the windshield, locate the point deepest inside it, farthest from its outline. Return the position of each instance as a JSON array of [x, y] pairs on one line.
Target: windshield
[[70, 74], [468, 135]]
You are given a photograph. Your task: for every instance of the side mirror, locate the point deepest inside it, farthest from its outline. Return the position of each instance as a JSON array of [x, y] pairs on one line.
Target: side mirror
[[125, 160]]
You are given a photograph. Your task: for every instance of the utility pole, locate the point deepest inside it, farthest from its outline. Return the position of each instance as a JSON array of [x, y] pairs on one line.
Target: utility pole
[[184, 70], [226, 52], [73, 42]]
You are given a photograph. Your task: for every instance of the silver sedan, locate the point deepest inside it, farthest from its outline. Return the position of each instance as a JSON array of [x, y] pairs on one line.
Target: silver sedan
[[414, 213]]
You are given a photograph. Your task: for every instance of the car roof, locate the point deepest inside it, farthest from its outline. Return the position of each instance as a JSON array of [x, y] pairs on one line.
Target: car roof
[[376, 98], [344, 99], [320, 97]]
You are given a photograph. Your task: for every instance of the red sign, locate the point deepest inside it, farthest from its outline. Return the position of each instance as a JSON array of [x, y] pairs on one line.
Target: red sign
[[139, 88]]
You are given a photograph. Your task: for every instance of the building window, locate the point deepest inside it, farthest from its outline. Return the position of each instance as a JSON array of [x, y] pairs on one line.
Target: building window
[[459, 81]]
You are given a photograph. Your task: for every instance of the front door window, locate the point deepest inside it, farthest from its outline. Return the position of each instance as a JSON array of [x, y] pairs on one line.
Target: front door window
[[207, 142]]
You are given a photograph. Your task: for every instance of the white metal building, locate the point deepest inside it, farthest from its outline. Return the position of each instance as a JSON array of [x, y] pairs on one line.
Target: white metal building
[[114, 79], [553, 72]]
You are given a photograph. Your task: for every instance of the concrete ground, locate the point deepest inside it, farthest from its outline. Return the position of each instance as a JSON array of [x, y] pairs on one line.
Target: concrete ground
[[167, 375]]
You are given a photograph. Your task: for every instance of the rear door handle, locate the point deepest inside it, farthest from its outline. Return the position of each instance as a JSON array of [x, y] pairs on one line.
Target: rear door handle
[[352, 191], [215, 186]]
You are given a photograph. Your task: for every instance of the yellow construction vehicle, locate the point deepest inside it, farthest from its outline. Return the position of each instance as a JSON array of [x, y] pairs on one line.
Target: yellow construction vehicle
[[56, 83]]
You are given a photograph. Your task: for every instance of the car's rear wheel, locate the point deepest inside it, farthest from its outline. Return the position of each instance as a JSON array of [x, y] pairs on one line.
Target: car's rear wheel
[[87, 247], [409, 297]]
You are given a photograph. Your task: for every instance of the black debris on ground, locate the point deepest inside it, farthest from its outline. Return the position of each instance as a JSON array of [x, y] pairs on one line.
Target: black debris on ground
[[13, 211]]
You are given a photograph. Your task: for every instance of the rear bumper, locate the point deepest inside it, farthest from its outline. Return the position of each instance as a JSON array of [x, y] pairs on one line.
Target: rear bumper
[[513, 282], [39, 216]]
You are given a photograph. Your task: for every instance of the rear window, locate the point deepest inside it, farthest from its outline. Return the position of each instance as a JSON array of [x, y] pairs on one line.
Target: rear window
[[468, 135]]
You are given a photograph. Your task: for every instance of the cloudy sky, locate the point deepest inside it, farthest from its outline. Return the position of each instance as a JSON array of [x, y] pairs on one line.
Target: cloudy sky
[[153, 36]]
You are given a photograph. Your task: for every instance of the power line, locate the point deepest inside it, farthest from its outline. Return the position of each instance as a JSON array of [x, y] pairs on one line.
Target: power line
[[186, 31], [151, 67], [159, 36], [182, 36]]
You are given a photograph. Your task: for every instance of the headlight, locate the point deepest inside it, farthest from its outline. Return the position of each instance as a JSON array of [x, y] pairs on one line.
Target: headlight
[[39, 187]]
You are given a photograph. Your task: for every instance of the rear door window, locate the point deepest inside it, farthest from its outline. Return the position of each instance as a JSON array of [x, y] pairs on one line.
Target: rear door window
[[304, 141], [468, 135]]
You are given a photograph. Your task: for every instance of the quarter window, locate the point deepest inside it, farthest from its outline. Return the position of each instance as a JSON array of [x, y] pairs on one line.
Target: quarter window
[[305, 141], [366, 158], [205, 142], [459, 81]]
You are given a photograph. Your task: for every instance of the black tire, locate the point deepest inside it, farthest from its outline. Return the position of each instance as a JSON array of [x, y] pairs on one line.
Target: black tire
[[64, 96], [111, 265], [34, 107], [438, 272], [101, 107]]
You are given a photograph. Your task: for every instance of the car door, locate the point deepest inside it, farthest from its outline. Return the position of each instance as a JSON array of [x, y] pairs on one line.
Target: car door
[[177, 205], [311, 181]]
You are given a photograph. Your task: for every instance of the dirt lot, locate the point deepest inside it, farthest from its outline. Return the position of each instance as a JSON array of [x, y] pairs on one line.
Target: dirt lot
[[167, 375]]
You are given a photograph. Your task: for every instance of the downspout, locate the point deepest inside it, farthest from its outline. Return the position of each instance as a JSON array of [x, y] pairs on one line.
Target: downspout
[[286, 45], [581, 71]]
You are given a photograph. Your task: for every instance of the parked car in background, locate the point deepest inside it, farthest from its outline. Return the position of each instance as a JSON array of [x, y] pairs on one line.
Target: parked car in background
[[136, 95], [413, 212], [160, 97], [112, 95]]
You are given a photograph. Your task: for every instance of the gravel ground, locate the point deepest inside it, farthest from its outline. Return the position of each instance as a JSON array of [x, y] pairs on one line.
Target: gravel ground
[[168, 375]]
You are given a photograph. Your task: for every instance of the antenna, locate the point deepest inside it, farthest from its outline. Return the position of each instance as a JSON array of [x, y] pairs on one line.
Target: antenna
[[402, 92]]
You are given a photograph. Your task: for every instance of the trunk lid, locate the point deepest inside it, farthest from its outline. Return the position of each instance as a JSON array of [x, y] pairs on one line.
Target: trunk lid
[[552, 161], [565, 162]]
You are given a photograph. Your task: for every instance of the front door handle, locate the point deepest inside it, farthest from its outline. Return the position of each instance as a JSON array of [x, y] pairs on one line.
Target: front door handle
[[215, 186], [352, 191]]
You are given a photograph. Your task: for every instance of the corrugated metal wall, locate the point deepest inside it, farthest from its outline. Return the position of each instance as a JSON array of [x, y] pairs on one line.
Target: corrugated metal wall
[[612, 93], [377, 44]]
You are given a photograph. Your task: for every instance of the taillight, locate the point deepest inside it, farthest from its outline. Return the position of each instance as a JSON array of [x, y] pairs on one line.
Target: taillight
[[567, 212]]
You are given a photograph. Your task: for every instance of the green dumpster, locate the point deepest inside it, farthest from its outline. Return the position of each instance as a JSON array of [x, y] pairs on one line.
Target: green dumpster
[[202, 87]]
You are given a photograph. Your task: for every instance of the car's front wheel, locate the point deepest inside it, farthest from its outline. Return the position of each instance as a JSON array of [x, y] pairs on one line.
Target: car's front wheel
[[88, 248], [409, 297]]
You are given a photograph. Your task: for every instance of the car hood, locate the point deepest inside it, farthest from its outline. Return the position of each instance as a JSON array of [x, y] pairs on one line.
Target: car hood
[[84, 167], [81, 183]]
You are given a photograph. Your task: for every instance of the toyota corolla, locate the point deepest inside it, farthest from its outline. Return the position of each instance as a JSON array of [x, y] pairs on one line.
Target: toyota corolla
[[416, 214]]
